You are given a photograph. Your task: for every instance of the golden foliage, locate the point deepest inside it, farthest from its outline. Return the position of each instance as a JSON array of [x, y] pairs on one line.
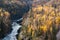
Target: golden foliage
[[4, 13], [43, 19], [38, 8], [43, 28]]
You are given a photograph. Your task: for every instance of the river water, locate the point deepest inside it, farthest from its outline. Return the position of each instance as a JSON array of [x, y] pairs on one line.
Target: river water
[[12, 35]]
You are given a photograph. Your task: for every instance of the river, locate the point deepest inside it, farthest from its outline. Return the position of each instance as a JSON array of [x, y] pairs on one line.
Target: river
[[12, 35]]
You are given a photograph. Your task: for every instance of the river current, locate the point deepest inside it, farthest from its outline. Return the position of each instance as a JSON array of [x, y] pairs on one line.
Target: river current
[[12, 35]]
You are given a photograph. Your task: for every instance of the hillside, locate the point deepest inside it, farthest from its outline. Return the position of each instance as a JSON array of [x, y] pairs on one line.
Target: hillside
[[41, 19], [17, 8], [42, 22]]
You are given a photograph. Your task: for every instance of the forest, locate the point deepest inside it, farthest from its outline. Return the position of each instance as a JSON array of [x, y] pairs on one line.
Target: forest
[[29, 19]]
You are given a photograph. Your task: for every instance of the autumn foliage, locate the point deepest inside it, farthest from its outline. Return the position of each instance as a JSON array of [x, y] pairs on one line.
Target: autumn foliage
[[41, 23], [5, 23]]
